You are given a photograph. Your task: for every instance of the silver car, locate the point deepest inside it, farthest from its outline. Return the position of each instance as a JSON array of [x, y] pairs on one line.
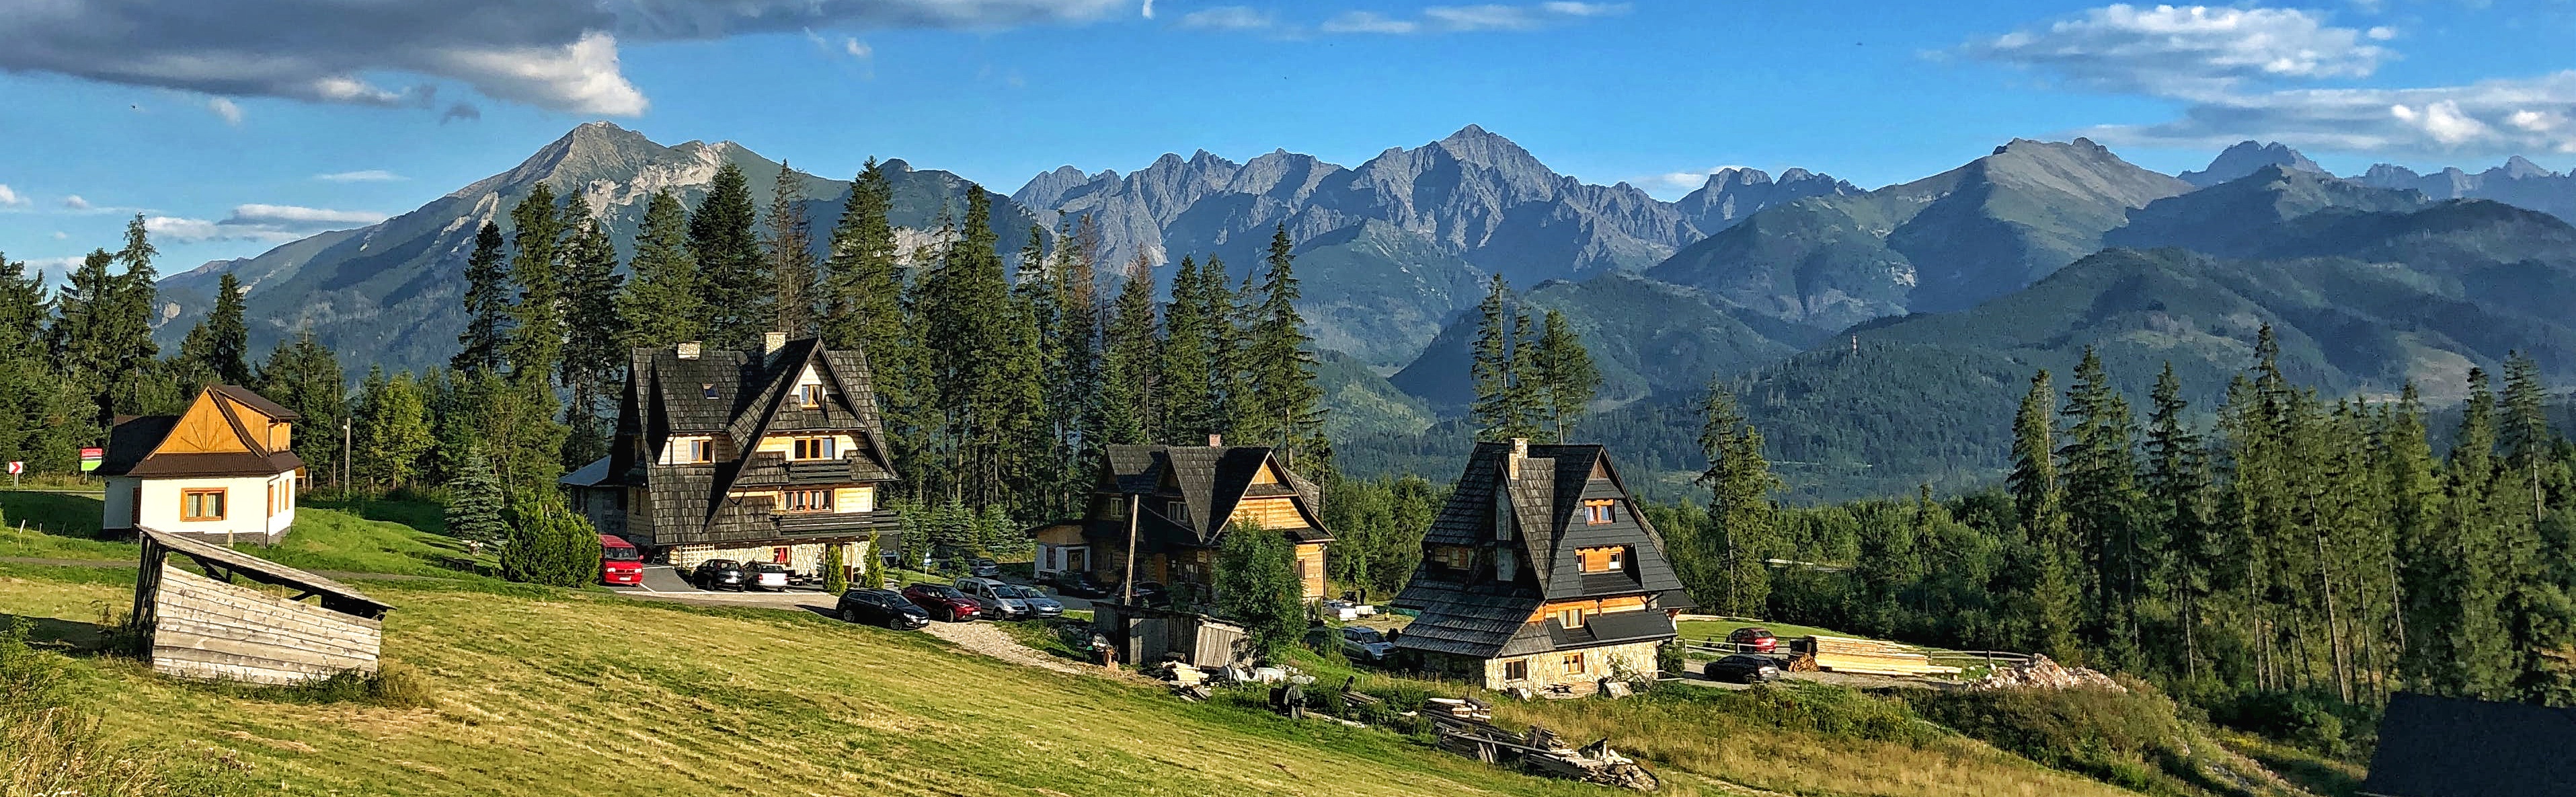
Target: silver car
[[1010, 601], [1365, 643]]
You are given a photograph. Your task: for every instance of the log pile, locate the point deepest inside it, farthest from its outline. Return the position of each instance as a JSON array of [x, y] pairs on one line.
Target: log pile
[[1469, 709], [1541, 751], [2041, 673], [1870, 657]]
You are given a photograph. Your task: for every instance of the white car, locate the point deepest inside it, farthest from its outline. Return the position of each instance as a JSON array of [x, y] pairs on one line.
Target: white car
[[1347, 611], [765, 575]]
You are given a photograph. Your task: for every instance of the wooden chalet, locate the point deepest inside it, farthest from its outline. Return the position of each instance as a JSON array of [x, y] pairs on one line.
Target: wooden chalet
[[2455, 747], [1540, 573], [223, 469], [1188, 497], [769, 455], [207, 626]]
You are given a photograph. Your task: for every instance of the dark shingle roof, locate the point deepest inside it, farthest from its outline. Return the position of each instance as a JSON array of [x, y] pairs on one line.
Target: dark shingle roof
[[1470, 620], [2450, 747], [737, 396], [131, 439], [255, 401], [1210, 482]]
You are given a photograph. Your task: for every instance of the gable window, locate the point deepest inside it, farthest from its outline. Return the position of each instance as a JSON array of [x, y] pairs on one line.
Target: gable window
[[1454, 557], [813, 448], [809, 395], [1611, 559], [201, 504], [707, 389], [1599, 511], [1574, 664], [806, 501], [1516, 670], [693, 449], [1570, 618]]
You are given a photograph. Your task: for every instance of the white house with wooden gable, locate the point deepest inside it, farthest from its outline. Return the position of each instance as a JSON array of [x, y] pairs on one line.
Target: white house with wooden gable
[[225, 468]]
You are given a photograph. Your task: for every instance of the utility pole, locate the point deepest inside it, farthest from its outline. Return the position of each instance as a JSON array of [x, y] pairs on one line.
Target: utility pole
[[1127, 586], [345, 449]]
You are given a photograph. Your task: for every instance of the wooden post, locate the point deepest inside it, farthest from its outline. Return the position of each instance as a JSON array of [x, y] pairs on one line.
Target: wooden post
[[1127, 586]]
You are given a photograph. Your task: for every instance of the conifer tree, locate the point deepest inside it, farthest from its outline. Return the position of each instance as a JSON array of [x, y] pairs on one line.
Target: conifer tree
[[862, 283], [474, 500], [2178, 500], [2525, 434], [1186, 382], [535, 347], [874, 575], [44, 418], [982, 348], [790, 244], [665, 303], [2484, 662], [548, 542], [2051, 595], [1074, 388], [2099, 468], [219, 345], [1231, 316], [836, 572], [102, 336], [730, 266], [595, 344], [1129, 362], [487, 304], [1282, 364], [1741, 511], [1498, 412], [1566, 376], [23, 307], [2425, 551], [303, 375]]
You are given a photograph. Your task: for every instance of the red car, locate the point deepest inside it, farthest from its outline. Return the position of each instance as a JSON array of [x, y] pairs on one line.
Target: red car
[[620, 562], [1753, 639], [943, 602]]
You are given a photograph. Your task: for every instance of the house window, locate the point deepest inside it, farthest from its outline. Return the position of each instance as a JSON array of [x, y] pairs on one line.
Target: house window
[[1454, 557], [707, 389], [701, 449], [1570, 618], [1516, 670], [1604, 560], [272, 499], [1574, 664], [201, 504], [1598, 512], [813, 448], [809, 395], [806, 501]]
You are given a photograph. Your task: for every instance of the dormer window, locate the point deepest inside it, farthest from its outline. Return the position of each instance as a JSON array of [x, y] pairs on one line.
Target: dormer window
[[813, 448], [1600, 511], [809, 396], [1610, 559], [707, 389]]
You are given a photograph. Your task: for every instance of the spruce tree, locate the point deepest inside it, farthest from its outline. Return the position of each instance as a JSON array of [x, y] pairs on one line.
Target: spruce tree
[[44, 418], [2425, 550], [535, 347], [595, 350], [790, 256], [1074, 389], [2178, 500], [836, 572], [23, 307], [2050, 597], [1185, 380], [1282, 363], [730, 266], [303, 375], [1566, 376], [474, 499], [1741, 511], [219, 345], [487, 304], [874, 576], [1129, 363], [2100, 471], [102, 336], [862, 284], [664, 304], [1496, 412], [2484, 664]]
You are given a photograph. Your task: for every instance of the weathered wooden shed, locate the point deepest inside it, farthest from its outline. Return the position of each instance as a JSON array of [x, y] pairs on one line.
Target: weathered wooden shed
[[206, 626], [1142, 634]]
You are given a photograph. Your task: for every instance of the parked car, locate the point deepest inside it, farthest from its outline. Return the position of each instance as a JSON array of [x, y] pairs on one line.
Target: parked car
[[717, 574], [765, 575], [883, 607], [1744, 668], [1081, 585], [983, 567], [1347, 611], [943, 602], [1147, 593], [1010, 601], [1753, 639], [620, 562], [1362, 643]]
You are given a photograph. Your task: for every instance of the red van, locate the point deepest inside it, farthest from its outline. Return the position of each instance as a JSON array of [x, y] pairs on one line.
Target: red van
[[619, 561]]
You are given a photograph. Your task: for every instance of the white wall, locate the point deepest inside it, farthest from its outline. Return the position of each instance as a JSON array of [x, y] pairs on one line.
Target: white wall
[[245, 505]]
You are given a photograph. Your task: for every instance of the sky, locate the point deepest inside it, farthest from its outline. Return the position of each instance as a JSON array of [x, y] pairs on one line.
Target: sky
[[232, 127]]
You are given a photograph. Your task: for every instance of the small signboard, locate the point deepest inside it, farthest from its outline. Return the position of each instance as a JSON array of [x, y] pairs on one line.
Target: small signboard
[[17, 467], [90, 457]]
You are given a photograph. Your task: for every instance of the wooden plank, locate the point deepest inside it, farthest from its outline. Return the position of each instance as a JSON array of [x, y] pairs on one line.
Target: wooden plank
[[210, 592], [334, 659], [251, 636], [183, 611]]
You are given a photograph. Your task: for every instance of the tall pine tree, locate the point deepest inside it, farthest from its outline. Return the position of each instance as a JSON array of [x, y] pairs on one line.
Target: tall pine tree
[[730, 264], [790, 244], [1566, 376], [535, 347], [487, 304], [665, 303], [1129, 361]]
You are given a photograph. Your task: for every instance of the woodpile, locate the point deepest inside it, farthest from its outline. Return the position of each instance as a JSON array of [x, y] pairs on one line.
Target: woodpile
[[2041, 673], [1869, 657], [1541, 751], [1459, 708]]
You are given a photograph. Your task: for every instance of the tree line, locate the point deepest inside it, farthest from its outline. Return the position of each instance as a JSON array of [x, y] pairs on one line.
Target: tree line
[[2280, 543]]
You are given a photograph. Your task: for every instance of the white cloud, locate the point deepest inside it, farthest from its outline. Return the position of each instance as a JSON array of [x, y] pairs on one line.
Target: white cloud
[[1223, 18], [9, 197], [1687, 181], [60, 235], [857, 49], [258, 222], [75, 202], [1149, 9], [555, 54], [365, 176], [2494, 117], [294, 215], [2188, 51], [1471, 18], [224, 108]]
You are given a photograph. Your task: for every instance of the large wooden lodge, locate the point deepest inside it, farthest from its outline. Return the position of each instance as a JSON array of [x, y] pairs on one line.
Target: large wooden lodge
[[768, 455], [1187, 498]]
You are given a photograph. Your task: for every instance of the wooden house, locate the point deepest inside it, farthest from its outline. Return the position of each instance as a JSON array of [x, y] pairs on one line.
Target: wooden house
[[225, 468], [1187, 498], [207, 626], [1540, 573], [2455, 747], [769, 455]]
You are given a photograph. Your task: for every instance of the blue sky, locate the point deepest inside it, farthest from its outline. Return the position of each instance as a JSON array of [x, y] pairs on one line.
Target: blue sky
[[236, 128]]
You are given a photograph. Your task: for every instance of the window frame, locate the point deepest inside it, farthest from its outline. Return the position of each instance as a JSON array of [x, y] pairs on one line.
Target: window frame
[[707, 390], [789, 501], [1516, 670], [1575, 613], [1574, 664], [191, 502], [806, 448], [809, 395], [1600, 511], [1614, 559], [701, 450]]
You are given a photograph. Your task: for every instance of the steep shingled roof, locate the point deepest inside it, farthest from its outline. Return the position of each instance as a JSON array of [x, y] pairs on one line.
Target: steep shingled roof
[[1210, 482], [740, 396]]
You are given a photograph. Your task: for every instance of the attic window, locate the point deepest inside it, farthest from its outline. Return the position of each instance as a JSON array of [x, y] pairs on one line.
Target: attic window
[[813, 448], [707, 389], [1611, 559], [1598, 512], [1570, 618], [809, 395]]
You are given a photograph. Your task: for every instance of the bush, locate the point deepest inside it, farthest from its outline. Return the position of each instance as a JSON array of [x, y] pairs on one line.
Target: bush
[[836, 573], [549, 544], [2313, 721]]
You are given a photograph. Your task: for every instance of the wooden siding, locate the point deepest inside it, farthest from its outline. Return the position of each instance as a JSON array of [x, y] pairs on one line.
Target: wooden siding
[[1591, 607], [205, 628], [203, 430], [1549, 669], [1269, 513], [1310, 569], [1060, 534], [1597, 560]]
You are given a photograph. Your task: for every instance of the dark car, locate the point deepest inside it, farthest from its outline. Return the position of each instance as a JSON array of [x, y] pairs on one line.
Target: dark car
[[1147, 594], [1081, 585], [943, 602], [1753, 639], [1744, 668], [883, 607], [983, 567], [718, 574]]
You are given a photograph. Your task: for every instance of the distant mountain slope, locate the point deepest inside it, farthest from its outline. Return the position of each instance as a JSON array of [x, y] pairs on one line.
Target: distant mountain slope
[[2518, 182], [1944, 242], [1390, 239], [389, 293], [2245, 157]]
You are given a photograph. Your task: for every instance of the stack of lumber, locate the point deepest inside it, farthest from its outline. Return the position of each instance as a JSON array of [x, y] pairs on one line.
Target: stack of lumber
[[1872, 657], [1465, 709]]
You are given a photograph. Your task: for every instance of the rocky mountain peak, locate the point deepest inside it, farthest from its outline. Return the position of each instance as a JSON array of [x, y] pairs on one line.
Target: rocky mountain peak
[[2518, 167], [2244, 157]]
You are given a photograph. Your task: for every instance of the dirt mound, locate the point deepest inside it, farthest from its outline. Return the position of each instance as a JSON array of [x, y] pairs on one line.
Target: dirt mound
[[2042, 673]]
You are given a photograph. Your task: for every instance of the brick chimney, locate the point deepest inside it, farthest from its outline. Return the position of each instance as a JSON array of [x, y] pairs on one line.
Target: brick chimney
[[1216, 441], [771, 342], [1520, 451], [688, 350]]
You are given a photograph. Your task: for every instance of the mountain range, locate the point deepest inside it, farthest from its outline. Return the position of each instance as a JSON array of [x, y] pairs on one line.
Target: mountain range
[[1879, 335]]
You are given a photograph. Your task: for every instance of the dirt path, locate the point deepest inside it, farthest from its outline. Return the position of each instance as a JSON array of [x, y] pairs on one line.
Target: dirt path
[[988, 639]]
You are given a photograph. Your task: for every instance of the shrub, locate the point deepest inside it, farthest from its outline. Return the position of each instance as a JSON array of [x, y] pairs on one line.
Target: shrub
[[836, 573], [1256, 582], [549, 544], [392, 685]]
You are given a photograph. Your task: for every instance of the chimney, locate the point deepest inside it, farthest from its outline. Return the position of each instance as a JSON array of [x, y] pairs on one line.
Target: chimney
[[1512, 464], [688, 350], [1216, 441], [771, 342]]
